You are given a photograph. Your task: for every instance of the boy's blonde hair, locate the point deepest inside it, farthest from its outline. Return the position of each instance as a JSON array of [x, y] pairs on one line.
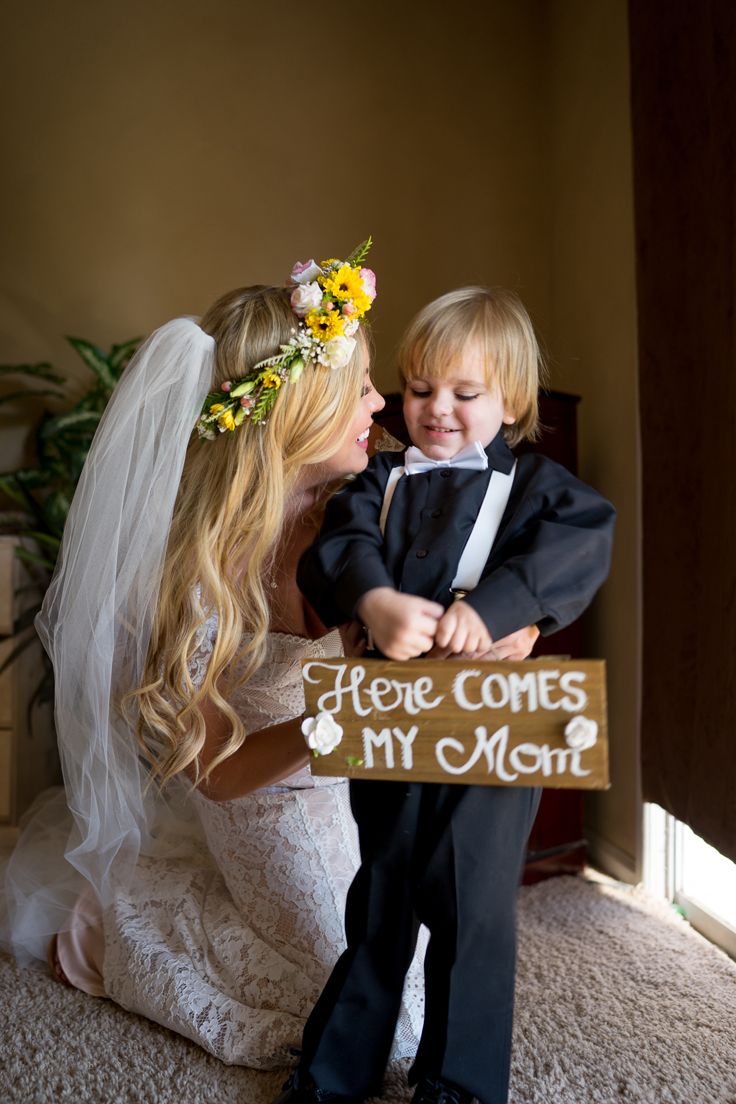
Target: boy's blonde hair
[[227, 524], [496, 322]]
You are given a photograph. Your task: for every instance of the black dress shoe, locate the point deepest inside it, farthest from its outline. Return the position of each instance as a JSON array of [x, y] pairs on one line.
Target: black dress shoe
[[301, 1089], [440, 1092]]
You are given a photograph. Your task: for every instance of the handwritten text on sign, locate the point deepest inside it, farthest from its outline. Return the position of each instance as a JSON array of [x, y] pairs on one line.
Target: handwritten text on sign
[[536, 723]]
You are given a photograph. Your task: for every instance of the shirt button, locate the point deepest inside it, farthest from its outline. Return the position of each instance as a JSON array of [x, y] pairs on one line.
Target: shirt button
[[445, 473], [435, 513], [422, 552]]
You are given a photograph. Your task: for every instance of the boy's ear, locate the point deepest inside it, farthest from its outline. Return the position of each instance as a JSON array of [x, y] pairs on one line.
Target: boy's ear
[[508, 417]]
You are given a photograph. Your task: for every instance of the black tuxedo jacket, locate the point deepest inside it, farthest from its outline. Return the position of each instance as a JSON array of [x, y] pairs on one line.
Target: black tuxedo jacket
[[551, 553]]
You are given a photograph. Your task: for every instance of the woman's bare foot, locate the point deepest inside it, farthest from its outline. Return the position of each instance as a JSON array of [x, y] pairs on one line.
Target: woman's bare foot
[[55, 967]]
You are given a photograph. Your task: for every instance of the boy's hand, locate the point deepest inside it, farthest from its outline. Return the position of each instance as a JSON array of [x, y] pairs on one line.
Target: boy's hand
[[402, 625], [461, 629], [517, 645]]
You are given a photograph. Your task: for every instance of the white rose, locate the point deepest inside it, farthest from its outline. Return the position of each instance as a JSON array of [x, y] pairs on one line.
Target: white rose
[[351, 327], [337, 351], [306, 297], [581, 733], [304, 272], [322, 732]]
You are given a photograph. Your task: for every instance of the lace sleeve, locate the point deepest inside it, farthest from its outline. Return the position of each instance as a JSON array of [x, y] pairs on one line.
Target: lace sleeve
[[200, 658]]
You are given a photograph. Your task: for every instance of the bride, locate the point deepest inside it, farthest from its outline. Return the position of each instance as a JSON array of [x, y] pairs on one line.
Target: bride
[[193, 870]]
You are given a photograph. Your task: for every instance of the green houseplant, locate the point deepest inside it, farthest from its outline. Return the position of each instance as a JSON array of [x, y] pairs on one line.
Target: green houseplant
[[40, 495]]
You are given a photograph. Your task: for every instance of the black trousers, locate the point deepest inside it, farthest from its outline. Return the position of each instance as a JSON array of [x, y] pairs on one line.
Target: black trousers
[[450, 857]]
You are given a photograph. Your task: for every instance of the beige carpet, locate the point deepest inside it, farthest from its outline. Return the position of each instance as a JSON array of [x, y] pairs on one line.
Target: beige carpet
[[618, 1000]]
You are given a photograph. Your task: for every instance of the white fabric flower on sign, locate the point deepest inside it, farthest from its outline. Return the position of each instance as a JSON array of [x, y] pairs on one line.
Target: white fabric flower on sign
[[581, 733], [322, 732]]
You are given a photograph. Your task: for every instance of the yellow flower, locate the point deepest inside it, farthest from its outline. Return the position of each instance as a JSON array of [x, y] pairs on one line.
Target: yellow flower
[[226, 420], [361, 302], [270, 380], [325, 324], [216, 407], [345, 283]]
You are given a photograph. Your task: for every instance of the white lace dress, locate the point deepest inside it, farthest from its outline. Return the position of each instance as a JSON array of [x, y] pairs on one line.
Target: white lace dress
[[231, 947]]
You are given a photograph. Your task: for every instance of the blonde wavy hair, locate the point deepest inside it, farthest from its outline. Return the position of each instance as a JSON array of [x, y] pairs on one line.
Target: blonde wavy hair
[[228, 518], [494, 321]]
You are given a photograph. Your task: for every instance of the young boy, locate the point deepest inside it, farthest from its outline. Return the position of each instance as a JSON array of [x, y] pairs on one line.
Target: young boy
[[391, 553]]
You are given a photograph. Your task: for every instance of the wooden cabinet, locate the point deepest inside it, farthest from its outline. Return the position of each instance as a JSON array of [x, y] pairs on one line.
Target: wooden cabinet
[[557, 843], [28, 755]]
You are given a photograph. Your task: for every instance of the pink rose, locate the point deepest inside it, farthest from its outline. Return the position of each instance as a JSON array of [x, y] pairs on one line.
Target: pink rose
[[305, 297], [304, 272], [349, 309], [368, 278]]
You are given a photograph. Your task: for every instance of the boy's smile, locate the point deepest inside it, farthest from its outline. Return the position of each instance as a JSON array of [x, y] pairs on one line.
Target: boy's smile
[[445, 415]]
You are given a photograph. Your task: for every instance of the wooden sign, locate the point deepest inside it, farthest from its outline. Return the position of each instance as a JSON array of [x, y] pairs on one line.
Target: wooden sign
[[537, 723]]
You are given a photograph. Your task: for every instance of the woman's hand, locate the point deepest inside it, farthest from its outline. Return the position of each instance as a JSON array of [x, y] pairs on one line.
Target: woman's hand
[[517, 645], [352, 634]]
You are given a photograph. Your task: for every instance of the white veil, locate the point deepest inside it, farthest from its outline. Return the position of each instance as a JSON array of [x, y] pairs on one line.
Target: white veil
[[95, 625]]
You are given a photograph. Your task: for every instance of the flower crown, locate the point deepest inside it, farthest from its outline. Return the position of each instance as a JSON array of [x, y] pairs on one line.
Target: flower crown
[[330, 300]]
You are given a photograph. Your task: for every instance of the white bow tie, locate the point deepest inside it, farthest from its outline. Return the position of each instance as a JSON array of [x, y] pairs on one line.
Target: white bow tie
[[473, 456]]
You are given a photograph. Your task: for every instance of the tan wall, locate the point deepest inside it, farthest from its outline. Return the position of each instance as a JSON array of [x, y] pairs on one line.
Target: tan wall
[[593, 339], [157, 154]]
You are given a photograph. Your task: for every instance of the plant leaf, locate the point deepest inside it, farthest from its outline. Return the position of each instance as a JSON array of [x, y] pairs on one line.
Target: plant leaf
[[17, 650], [55, 510], [121, 354], [41, 370], [95, 359], [75, 420], [32, 557], [43, 538], [29, 478], [360, 252], [29, 393]]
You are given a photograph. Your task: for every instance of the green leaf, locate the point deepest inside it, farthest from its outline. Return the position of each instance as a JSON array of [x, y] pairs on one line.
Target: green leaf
[[15, 488], [43, 538], [121, 354], [9, 487], [75, 420], [95, 359], [17, 650], [15, 521], [55, 510], [32, 557], [29, 393], [41, 370], [29, 478], [360, 252]]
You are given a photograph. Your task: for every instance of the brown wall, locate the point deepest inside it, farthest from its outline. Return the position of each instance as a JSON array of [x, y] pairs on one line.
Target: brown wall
[[593, 339], [157, 154]]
